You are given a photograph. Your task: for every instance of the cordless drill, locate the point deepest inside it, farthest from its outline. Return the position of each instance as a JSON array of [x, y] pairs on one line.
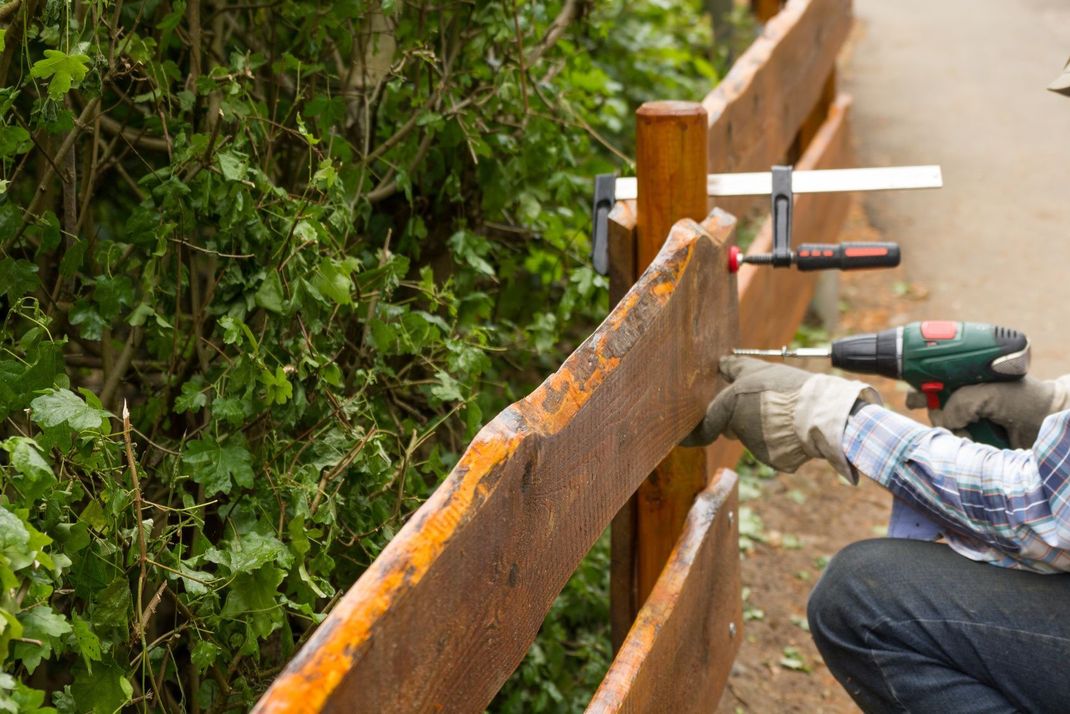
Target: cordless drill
[[936, 358]]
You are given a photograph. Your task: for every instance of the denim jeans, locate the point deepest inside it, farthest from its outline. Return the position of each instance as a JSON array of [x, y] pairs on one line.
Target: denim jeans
[[910, 626]]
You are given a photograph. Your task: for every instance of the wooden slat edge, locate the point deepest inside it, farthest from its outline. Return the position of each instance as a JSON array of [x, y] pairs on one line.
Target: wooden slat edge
[[679, 653], [359, 658]]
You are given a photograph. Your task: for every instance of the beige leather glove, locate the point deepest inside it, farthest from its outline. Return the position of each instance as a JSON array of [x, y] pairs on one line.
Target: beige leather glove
[[1019, 407], [785, 416]]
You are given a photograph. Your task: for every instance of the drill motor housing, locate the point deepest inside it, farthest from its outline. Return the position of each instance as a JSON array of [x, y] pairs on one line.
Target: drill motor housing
[[937, 357]]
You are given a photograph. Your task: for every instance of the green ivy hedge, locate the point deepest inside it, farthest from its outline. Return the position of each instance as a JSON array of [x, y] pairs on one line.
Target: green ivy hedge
[[311, 247]]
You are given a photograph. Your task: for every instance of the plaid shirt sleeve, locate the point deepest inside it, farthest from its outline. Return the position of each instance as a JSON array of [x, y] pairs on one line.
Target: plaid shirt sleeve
[[1008, 508]]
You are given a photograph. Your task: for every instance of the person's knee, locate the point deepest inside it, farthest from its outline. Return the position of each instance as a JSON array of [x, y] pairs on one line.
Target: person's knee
[[840, 605]]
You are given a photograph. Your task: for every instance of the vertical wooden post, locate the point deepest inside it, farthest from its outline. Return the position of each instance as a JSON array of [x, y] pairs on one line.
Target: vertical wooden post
[[671, 150], [765, 10]]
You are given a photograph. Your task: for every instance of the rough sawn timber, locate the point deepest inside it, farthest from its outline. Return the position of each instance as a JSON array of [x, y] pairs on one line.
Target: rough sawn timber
[[756, 112], [448, 610], [679, 653]]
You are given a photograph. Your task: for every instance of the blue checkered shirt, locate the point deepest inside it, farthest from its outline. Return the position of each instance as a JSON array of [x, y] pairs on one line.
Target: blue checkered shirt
[[1008, 508]]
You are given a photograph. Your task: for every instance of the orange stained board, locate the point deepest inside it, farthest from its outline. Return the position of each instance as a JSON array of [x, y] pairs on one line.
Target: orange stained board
[[679, 653], [448, 610]]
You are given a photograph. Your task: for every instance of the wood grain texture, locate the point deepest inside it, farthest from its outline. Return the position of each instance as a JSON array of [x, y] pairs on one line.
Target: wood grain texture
[[678, 655], [773, 301], [757, 110], [448, 610], [670, 169]]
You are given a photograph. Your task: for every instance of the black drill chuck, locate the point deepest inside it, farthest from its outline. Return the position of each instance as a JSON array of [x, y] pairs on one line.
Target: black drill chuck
[[870, 353]]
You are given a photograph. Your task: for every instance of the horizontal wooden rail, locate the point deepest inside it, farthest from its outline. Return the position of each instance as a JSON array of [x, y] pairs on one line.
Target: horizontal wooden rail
[[756, 112], [679, 653], [447, 611]]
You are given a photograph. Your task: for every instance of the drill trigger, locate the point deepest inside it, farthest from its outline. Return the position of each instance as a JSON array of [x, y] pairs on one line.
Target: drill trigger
[[932, 390]]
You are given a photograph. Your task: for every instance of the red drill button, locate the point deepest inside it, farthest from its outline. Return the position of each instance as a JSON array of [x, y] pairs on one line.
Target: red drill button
[[932, 390], [939, 330]]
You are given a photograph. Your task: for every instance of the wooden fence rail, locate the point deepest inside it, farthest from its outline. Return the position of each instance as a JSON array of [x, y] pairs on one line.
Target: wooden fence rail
[[447, 611]]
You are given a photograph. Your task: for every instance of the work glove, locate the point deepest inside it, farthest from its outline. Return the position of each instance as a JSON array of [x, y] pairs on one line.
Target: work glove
[[785, 416], [1019, 407]]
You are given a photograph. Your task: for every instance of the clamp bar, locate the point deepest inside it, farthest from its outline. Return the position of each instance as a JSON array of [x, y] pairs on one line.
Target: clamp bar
[[760, 183]]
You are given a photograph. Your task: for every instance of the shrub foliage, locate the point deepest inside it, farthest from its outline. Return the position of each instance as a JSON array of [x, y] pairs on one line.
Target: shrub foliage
[[311, 247]]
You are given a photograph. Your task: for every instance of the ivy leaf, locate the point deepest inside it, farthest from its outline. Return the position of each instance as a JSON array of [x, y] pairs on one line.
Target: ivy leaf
[[63, 405], [105, 691], [86, 641], [36, 475], [249, 552], [794, 660], [64, 69], [332, 279], [253, 597], [205, 654], [233, 165], [14, 540], [269, 295], [40, 623], [10, 628], [217, 466], [278, 387], [448, 389]]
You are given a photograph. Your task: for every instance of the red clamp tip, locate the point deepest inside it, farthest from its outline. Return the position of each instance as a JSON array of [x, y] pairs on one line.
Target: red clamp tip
[[735, 258]]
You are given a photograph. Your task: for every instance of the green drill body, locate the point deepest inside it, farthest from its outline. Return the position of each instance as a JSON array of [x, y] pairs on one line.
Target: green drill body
[[936, 358]]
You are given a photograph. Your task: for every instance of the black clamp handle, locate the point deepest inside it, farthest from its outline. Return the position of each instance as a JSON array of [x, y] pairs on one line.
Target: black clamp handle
[[781, 209], [810, 256], [605, 188]]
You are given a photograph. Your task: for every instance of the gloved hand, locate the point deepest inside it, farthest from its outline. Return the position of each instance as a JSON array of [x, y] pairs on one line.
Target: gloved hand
[[1019, 407], [785, 416]]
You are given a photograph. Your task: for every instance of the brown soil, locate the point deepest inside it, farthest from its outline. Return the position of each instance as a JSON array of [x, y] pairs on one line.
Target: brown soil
[[806, 518]]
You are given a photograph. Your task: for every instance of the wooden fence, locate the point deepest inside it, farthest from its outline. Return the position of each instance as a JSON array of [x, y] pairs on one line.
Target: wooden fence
[[448, 610]]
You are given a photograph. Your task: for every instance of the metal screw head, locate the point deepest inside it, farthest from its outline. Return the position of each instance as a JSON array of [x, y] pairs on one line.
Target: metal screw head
[[731, 630], [731, 516]]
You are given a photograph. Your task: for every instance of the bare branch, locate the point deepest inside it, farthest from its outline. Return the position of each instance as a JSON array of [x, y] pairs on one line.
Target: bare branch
[[564, 18]]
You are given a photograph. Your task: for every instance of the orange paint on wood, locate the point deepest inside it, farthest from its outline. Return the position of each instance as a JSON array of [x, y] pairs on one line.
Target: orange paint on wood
[[447, 611], [679, 653]]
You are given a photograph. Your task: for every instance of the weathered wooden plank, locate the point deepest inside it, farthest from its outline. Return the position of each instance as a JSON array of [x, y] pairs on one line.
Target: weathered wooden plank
[[449, 608], [670, 168], [678, 655], [757, 109], [773, 302]]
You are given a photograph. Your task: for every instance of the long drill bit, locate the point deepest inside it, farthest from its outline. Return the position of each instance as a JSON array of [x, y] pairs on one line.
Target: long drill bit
[[785, 352]]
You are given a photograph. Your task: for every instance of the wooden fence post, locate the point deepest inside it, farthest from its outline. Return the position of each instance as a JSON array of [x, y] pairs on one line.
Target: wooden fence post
[[671, 149]]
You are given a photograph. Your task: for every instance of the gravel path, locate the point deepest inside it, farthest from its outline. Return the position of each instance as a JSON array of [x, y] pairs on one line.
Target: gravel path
[[962, 83]]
